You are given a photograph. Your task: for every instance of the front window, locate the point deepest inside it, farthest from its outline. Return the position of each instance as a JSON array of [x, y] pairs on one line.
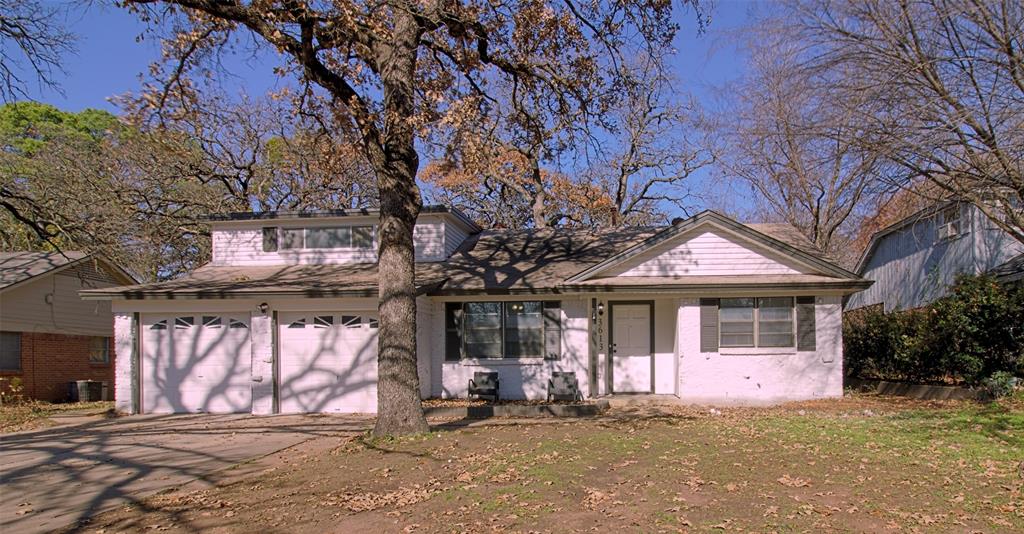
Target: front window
[[736, 318], [482, 331], [492, 330], [524, 330], [775, 322], [760, 322]]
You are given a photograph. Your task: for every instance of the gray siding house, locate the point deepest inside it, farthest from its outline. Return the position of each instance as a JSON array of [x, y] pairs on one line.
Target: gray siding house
[[914, 261]]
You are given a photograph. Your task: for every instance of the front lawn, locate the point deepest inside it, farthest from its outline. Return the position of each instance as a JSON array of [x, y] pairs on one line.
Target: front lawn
[[857, 464]]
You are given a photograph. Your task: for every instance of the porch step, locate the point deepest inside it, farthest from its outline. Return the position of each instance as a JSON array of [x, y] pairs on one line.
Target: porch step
[[619, 401], [518, 410]]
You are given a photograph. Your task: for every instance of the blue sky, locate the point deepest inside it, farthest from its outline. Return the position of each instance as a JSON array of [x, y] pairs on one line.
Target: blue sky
[[113, 49]]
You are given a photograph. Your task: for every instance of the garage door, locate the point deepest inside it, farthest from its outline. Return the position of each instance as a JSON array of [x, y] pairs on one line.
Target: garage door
[[196, 363], [328, 362]]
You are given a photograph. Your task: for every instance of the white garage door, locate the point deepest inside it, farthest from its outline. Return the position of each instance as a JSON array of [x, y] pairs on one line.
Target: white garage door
[[328, 362], [196, 363]]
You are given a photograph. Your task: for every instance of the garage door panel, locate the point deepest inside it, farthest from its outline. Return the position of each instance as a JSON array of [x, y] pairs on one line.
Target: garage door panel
[[196, 363], [328, 362]]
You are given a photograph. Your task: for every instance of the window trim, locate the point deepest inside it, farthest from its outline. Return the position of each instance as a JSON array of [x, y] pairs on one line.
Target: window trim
[[107, 351], [305, 238], [20, 367], [460, 330], [757, 327]]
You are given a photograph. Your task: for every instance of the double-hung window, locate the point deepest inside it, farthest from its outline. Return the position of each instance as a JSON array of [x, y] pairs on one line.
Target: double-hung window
[[492, 330], [10, 351], [99, 350], [756, 322]]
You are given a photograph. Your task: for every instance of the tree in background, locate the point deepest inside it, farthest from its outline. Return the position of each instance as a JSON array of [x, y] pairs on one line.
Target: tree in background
[[397, 69], [259, 153], [512, 171], [139, 194], [33, 39], [645, 168], [803, 157], [936, 88], [86, 181]]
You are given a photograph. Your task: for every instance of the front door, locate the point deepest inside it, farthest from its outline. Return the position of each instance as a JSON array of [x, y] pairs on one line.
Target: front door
[[631, 361]]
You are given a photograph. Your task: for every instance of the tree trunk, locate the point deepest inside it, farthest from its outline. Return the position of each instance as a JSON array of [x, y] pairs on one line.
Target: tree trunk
[[538, 205], [399, 410]]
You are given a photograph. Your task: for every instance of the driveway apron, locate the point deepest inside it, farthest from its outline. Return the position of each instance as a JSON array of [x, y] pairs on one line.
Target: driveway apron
[[56, 477]]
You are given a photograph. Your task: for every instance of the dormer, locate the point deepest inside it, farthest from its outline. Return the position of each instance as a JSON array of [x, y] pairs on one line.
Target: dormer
[[328, 237]]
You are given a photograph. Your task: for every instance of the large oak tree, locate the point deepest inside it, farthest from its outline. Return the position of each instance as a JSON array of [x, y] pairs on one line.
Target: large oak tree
[[397, 69]]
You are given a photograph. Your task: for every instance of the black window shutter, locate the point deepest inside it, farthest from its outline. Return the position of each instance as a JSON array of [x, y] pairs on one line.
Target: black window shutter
[[806, 330], [453, 331], [270, 239], [552, 329], [709, 325]]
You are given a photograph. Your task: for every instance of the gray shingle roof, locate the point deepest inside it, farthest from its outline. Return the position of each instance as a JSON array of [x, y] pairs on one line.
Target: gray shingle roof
[[17, 267], [342, 280], [495, 261], [533, 259]]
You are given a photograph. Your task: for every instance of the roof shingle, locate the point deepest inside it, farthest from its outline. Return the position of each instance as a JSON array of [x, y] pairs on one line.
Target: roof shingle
[[17, 267]]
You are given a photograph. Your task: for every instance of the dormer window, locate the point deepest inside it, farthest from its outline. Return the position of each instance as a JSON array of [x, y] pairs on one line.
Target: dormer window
[[327, 237]]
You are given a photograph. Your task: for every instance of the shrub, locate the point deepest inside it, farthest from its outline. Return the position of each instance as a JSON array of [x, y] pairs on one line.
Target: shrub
[[11, 390], [976, 331], [1000, 384]]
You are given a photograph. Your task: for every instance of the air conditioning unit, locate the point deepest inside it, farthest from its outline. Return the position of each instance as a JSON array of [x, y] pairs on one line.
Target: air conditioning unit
[[948, 230]]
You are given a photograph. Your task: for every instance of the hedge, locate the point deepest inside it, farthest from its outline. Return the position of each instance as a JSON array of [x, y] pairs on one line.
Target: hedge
[[965, 337]]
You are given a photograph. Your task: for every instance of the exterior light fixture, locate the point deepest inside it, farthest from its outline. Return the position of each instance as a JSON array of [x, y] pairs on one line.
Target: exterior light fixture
[[263, 308], [600, 308]]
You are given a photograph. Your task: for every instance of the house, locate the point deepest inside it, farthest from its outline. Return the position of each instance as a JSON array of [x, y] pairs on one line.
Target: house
[[49, 336], [914, 261], [284, 317]]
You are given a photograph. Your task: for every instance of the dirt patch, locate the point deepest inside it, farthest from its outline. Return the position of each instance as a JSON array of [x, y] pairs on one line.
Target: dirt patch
[[465, 403], [857, 464], [32, 415]]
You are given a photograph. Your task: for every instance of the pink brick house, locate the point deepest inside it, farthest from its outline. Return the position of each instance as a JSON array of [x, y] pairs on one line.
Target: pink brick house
[[284, 317]]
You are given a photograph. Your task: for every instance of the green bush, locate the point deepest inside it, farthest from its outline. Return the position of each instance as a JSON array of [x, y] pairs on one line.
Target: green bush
[[976, 331], [1000, 384]]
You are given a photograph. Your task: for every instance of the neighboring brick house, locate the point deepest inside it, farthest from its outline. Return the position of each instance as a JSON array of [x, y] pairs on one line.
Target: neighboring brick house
[[49, 336]]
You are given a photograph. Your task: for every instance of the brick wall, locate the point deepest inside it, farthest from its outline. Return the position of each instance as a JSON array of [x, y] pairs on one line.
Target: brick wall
[[50, 361]]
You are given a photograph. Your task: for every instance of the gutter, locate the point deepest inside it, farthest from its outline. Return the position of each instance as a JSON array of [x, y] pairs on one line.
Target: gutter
[[94, 294]]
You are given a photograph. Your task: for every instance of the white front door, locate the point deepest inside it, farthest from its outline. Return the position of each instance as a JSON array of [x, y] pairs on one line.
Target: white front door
[[631, 348], [328, 362]]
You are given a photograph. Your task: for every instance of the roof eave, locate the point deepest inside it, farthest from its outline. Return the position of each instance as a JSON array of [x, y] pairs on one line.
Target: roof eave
[[100, 294], [839, 286]]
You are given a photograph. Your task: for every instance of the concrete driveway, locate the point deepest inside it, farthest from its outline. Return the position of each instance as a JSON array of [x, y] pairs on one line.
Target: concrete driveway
[[53, 478]]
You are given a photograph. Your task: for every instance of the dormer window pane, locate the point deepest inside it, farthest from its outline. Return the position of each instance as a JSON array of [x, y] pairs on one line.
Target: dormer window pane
[[291, 238], [362, 237], [338, 237]]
